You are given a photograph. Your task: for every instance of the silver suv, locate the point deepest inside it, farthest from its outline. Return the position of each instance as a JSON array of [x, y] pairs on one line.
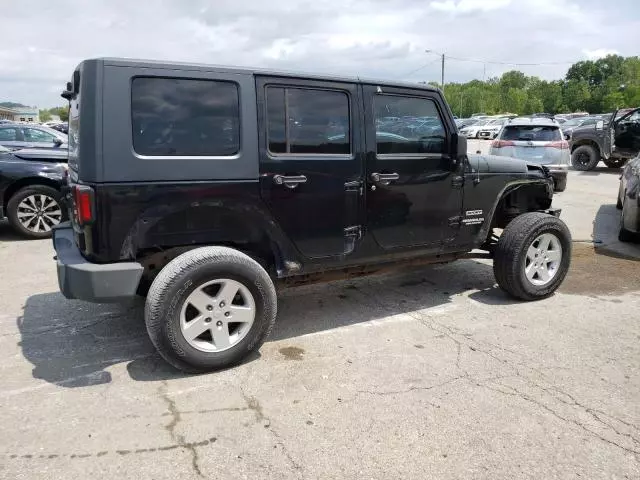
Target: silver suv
[[16, 136], [536, 140]]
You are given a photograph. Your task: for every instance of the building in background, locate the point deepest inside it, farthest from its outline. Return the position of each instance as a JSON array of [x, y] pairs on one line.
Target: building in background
[[20, 114]]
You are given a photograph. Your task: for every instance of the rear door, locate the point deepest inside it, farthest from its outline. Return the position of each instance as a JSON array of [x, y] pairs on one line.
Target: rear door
[[311, 161], [414, 194], [541, 144]]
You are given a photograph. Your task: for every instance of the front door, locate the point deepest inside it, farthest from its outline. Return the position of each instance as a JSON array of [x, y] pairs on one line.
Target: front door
[[311, 161], [414, 196], [626, 135]]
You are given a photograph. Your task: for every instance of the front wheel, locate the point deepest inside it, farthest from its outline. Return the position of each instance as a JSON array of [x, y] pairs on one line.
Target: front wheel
[[209, 308], [585, 158], [532, 256]]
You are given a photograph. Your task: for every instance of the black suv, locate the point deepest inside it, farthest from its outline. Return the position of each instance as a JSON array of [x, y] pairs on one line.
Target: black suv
[[226, 183], [614, 141]]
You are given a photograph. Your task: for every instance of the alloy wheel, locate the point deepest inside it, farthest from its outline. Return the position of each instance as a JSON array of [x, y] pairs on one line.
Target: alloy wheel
[[39, 213], [544, 256]]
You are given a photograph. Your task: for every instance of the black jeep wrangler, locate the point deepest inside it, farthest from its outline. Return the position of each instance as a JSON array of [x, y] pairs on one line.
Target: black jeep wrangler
[[614, 141], [207, 188]]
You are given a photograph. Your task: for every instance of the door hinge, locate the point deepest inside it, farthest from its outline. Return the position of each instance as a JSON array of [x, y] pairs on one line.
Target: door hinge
[[355, 186], [457, 181], [353, 231], [351, 236], [455, 221]]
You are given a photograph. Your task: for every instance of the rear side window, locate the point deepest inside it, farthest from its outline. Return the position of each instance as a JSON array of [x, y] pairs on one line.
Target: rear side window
[[408, 125], [531, 133], [8, 134], [308, 121], [183, 117]]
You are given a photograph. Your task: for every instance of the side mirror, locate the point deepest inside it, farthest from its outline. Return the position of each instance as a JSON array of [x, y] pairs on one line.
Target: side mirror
[[567, 137], [600, 125], [57, 142]]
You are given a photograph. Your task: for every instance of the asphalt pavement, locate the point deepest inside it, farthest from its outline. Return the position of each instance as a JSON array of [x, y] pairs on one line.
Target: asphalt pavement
[[429, 373]]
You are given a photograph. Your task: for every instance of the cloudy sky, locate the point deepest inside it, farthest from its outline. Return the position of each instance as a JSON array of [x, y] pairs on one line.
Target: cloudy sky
[[43, 40]]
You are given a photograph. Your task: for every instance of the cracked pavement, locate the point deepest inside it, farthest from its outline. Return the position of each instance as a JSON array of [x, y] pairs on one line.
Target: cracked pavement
[[429, 373]]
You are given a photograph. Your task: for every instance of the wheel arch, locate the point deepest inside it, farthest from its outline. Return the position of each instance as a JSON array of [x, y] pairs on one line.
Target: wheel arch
[[18, 185], [515, 199], [588, 142]]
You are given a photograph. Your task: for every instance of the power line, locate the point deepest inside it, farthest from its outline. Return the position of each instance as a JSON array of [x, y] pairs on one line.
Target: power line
[[419, 68], [519, 64]]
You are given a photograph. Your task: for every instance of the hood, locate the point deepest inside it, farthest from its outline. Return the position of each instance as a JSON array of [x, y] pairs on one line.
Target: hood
[[582, 129], [496, 164]]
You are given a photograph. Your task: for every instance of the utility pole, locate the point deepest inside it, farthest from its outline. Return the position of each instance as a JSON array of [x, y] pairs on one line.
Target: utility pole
[[442, 82], [442, 71]]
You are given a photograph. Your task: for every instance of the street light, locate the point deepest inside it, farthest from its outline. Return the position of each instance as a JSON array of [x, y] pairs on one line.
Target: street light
[[442, 55]]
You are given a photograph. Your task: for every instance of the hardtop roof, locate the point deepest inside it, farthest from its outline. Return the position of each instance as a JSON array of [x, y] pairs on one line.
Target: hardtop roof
[[130, 62]]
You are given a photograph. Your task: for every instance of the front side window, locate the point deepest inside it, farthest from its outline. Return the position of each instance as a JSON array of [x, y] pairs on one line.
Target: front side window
[[408, 125], [184, 117], [35, 135], [8, 134], [306, 121]]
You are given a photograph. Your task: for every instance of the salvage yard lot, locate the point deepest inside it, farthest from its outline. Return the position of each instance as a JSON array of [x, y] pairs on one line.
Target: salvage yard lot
[[432, 373]]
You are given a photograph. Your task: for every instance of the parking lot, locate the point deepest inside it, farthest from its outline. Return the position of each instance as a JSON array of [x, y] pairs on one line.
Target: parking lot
[[431, 373]]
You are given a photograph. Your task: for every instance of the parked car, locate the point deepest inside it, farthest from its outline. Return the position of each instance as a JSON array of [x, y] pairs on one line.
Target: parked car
[[61, 127], [491, 129], [536, 140], [614, 141], [473, 130], [17, 135], [209, 208], [629, 201], [30, 190]]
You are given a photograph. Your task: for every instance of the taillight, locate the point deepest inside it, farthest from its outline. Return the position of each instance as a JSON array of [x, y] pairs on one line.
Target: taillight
[[83, 199], [502, 143], [563, 145]]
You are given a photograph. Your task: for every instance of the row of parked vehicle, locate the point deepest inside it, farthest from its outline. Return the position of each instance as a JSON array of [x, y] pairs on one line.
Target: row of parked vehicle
[[33, 167]]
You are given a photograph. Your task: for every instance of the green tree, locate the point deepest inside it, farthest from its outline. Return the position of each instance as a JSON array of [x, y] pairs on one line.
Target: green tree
[[44, 115]]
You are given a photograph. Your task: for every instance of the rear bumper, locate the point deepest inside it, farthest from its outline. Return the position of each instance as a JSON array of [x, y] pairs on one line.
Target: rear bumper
[[82, 280]]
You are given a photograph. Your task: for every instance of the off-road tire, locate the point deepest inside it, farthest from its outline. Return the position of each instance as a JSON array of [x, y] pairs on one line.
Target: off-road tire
[[19, 196], [560, 185], [619, 199], [511, 251], [594, 158], [183, 275], [625, 235]]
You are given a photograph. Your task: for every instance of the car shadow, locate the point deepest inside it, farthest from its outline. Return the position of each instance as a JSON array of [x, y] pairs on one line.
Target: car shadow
[[73, 344], [598, 170], [605, 234], [7, 234]]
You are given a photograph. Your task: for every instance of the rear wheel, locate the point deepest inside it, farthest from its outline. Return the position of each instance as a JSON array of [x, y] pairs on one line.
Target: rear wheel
[[619, 199], [209, 308], [584, 158], [614, 162], [625, 235], [33, 211], [532, 256]]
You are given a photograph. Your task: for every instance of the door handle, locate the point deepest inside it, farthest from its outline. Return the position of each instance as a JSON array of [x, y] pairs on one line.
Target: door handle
[[384, 178], [289, 181]]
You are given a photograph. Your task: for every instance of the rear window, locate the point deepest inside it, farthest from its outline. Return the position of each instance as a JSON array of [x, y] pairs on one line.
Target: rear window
[[531, 133], [184, 117]]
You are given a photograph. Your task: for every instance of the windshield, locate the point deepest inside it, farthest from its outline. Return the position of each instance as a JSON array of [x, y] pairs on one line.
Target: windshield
[[574, 122], [531, 133]]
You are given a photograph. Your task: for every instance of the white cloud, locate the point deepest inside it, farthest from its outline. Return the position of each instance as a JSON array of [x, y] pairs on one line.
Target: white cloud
[[468, 6], [599, 53], [370, 38]]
